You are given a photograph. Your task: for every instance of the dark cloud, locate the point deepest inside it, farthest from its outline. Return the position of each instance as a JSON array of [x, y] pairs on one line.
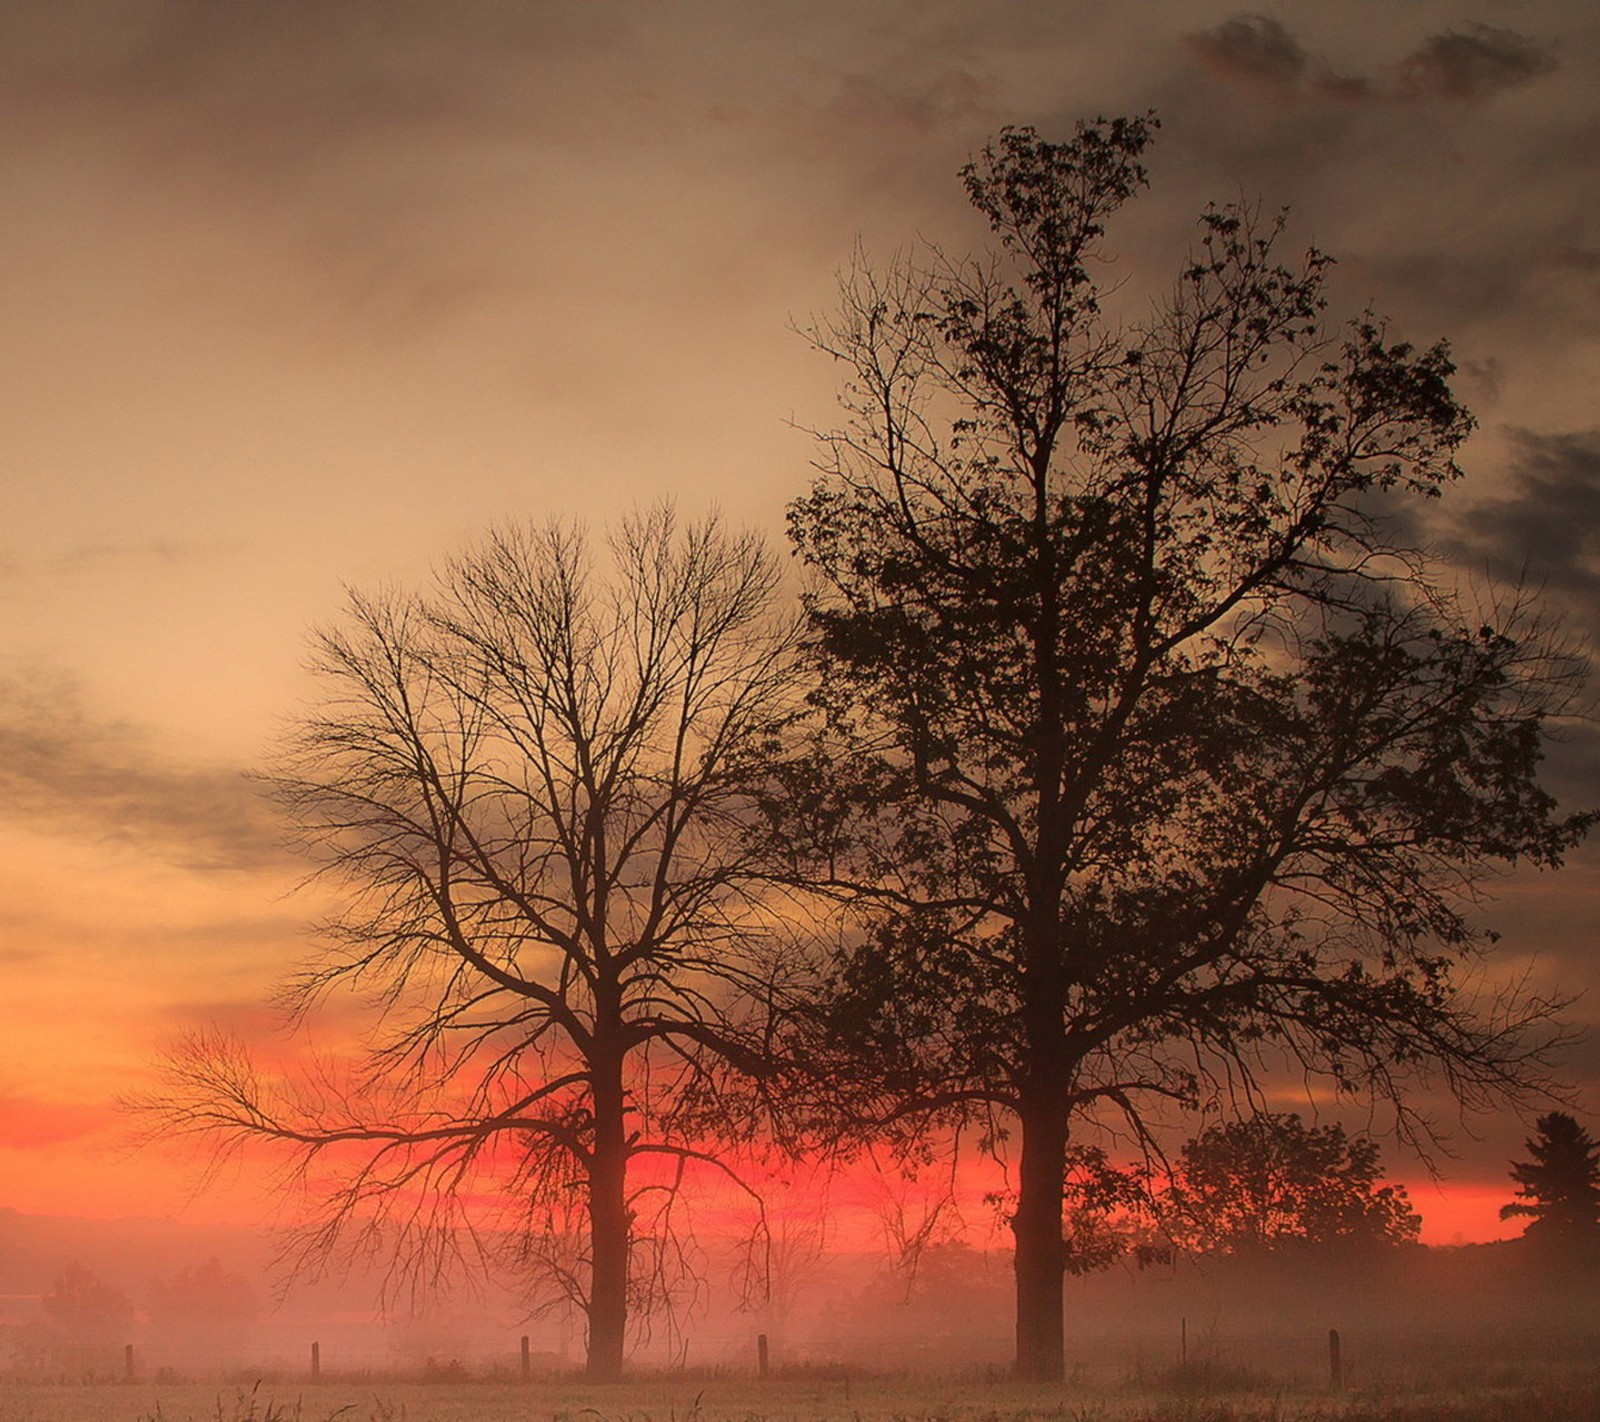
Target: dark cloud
[[1578, 1064], [1252, 47], [64, 770], [1540, 277], [1257, 52], [1545, 528], [1471, 64], [1543, 532], [1572, 774]]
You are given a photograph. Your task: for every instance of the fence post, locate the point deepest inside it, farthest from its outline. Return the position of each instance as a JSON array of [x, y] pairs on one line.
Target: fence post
[[761, 1355], [127, 1362], [1183, 1346], [527, 1362], [316, 1361], [1335, 1361]]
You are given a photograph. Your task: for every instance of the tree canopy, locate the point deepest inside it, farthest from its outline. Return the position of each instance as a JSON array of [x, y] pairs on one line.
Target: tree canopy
[[1157, 755], [1271, 1182]]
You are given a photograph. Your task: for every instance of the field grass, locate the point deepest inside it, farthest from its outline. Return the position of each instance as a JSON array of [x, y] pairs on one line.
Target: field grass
[[1194, 1396]]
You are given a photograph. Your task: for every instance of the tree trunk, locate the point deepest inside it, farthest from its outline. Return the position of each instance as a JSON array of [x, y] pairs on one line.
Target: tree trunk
[[1040, 1254], [608, 1228], [1040, 1259]]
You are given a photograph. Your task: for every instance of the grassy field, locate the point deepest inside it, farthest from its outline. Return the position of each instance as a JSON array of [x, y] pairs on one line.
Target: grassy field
[[1175, 1397]]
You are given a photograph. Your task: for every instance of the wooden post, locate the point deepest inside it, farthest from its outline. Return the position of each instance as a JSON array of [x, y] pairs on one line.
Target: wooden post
[[127, 1362], [527, 1362], [761, 1355], [1183, 1346], [316, 1361], [1335, 1362]]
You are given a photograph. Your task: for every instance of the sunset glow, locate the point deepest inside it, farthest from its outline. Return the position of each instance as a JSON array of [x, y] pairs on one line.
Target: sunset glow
[[303, 300]]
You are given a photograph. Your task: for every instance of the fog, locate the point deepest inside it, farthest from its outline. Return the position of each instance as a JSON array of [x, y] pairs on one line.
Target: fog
[[207, 1304]]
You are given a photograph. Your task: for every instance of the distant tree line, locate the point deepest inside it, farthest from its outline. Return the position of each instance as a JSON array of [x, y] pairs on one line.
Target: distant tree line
[[1125, 751], [84, 1323]]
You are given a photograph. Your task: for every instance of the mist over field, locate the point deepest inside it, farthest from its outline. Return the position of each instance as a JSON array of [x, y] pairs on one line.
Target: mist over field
[[1411, 1317]]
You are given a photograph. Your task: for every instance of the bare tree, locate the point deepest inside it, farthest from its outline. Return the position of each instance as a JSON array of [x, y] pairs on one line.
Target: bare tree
[[530, 786], [1157, 755]]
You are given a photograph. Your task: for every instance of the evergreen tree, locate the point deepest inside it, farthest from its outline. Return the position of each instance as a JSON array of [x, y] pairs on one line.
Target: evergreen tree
[[1559, 1189]]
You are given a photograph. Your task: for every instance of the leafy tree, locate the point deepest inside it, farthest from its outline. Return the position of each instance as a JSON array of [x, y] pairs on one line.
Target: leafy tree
[[84, 1324], [204, 1306], [530, 786], [1107, 1213], [948, 1302], [1271, 1181], [1559, 1189], [1155, 754]]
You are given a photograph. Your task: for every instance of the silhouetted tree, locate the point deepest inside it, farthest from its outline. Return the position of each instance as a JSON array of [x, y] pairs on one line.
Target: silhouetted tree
[[1107, 1214], [84, 1325], [951, 1304], [1559, 1189], [203, 1308], [531, 786], [1155, 754], [1271, 1181]]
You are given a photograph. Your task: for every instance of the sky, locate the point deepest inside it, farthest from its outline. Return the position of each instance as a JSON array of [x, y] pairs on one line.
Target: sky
[[301, 296]]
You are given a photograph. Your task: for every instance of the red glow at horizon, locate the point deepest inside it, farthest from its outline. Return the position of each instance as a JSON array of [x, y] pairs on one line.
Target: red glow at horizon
[[1461, 1212], [860, 1208]]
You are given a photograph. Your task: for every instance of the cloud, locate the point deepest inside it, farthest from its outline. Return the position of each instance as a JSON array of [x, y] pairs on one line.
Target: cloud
[[1579, 1064], [64, 770], [154, 554], [358, 146], [150, 558], [1471, 65], [1543, 531], [1257, 51], [1546, 526], [1255, 48], [917, 104], [1498, 278]]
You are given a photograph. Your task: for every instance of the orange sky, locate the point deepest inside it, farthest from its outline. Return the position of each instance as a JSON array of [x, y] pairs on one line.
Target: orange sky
[[303, 295]]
